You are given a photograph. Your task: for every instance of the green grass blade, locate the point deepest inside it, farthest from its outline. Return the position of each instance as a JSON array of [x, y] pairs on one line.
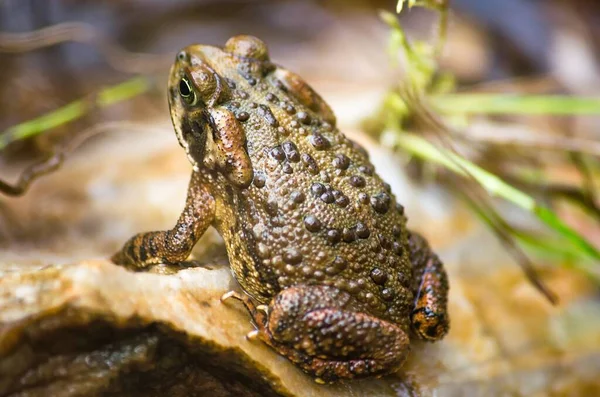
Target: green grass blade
[[495, 186], [515, 104], [74, 110], [48, 121]]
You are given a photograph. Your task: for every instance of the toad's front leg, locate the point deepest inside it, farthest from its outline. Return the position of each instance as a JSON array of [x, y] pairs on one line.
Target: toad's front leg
[[172, 246], [320, 329]]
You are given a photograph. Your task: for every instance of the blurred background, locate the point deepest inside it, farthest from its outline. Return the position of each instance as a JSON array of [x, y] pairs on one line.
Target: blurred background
[[334, 44], [111, 59]]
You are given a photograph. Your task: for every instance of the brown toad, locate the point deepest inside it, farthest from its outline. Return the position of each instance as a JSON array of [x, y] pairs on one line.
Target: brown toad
[[310, 228]]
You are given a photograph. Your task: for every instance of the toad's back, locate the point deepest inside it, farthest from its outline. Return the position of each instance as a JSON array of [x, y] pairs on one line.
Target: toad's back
[[316, 212]]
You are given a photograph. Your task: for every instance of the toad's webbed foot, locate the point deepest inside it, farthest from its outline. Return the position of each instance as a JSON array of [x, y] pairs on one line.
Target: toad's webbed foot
[[320, 329]]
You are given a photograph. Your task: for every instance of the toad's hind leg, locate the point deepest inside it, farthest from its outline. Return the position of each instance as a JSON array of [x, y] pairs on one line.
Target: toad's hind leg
[[320, 329], [429, 317], [172, 246]]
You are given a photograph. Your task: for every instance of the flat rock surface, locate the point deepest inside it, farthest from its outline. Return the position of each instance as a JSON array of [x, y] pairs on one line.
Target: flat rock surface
[[73, 324]]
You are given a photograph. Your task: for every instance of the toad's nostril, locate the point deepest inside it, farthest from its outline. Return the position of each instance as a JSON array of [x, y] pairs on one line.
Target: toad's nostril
[[183, 56]]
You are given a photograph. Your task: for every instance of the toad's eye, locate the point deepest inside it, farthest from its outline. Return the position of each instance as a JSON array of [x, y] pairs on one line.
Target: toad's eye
[[186, 92]]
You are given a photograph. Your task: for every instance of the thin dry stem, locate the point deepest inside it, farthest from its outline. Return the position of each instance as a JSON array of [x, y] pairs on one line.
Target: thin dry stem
[[507, 135], [54, 160], [116, 56]]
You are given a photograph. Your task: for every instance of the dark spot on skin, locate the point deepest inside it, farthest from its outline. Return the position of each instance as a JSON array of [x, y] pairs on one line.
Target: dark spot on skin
[[291, 150], [363, 198], [131, 249], [271, 97], [387, 187], [205, 304], [341, 162], [381, 202], [253, 105], [379, 276], [243, 94], [292, 256], [310, 163], [357, 181], [327, 197], [259, 179], [366, 170], [331, 271], [287, 168], [230, 83], [265, 112], [277, 153], [339, 263], [431, 331], [342, 201], [334, 236], [397, 248], [153, 251], [348, 235], [278, 84], [297, 197], [396, 230], [271, 207], [383, 241], [289, 108], [304, 118], [362, 231], [143, 253], [319, 141], [374, 245], [387, 294], [244, 70], [318, 189], [242, 116], [235, 104], [312, 224], [400, 208]]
